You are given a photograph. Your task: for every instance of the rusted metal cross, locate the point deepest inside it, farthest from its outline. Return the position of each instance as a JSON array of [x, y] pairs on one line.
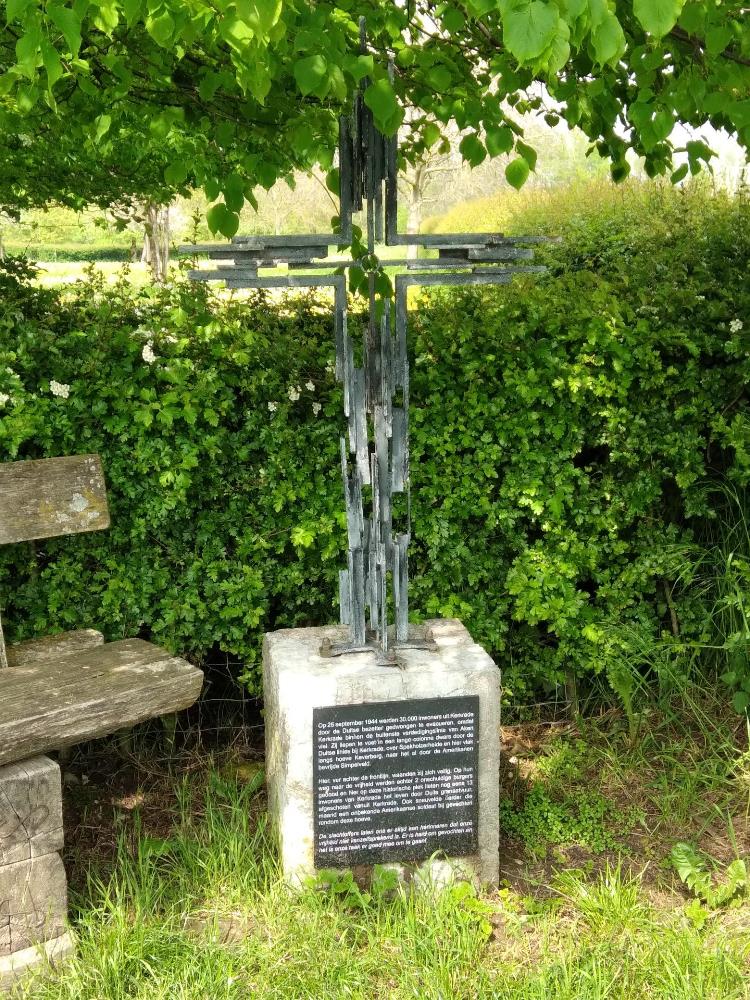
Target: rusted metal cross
[[375, 377]]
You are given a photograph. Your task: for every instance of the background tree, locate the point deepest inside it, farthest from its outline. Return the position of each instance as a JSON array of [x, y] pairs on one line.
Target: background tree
[[225, 95]]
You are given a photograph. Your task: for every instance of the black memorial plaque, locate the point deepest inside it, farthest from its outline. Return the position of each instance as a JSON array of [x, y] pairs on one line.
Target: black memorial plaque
[[395, 780]]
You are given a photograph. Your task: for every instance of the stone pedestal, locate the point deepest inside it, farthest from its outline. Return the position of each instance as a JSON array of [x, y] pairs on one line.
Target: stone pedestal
[[33, 887], [298, 679]]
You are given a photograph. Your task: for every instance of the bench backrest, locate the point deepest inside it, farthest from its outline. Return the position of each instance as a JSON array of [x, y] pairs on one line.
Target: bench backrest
[[50, 497]]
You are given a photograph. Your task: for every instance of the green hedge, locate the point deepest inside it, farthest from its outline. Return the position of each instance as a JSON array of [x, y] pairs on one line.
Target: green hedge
[[562, 431], [72, 253]]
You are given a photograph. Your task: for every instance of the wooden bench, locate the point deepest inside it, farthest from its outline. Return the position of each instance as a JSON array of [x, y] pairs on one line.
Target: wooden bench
[[54, 692]]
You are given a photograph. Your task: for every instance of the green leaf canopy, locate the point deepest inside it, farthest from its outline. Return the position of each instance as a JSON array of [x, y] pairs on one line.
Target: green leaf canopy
[[111, 99]]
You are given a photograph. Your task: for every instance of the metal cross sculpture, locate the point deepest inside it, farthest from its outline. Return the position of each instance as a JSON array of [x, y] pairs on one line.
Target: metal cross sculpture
[[375, 377]]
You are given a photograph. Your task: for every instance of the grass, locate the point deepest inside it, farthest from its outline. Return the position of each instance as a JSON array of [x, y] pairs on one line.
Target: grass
[[177, 891], [66, 272]]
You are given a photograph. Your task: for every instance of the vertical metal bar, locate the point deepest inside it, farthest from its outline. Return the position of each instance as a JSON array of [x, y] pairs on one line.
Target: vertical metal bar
[[384, 474], [391, 191], [357, 154], [374, 544], [402, 607], [398, 444], [378, 174], [340, 325], [388, 380], [345, 597], [370, 342], [359, 632], [345, 180], [383, 582], [400, 362], [360, 418], [372, 579]]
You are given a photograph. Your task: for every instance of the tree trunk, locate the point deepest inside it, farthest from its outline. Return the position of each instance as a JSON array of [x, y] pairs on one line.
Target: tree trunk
[[156, 240], [413, 220]]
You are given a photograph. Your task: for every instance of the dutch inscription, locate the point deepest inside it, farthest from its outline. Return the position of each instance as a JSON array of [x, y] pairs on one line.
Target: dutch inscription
[[395, 780]]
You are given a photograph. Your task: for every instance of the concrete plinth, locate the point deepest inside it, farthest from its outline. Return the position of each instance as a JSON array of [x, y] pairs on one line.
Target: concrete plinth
[[33, 887], [298, 679]]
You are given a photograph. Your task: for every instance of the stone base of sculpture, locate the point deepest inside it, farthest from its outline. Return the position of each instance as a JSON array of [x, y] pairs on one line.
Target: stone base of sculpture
[[367, 762]]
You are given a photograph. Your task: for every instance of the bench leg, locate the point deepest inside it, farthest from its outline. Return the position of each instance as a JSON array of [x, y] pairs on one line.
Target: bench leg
[[33, 886]]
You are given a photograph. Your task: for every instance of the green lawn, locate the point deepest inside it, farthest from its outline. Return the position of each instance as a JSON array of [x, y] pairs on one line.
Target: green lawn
[[63, 272], [177, 893]]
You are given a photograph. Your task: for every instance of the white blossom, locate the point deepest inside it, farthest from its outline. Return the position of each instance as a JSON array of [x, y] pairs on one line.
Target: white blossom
[[331, 367], [310, 385], [59, 389], [316, 408], [4, 398], [735, 326], [293, 392], [148, 354], [272, 406]]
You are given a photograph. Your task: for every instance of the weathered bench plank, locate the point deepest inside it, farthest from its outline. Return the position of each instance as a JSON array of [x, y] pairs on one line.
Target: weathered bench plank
[[51, 497], [52, 646], [53, 703]]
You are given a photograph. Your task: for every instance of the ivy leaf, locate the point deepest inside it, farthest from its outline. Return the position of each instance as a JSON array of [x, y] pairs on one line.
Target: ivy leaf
[[131, 9], [310, 73], [620, 171], [430, 134], [608, 40], [103, 123], [52, 63], [215, 216], [176, 173], [517, 172], [27, 52], [472, 150], [498, 139], [679, 174], [234, 196], [528, 153], [14, 9], [663, 124], [230, 224], [333, 180], [717, 39], [211, 188], [359, 67], [161, 28], [69, 23], [439, 78], [658, 16], [380, 98], [108, 17], [529, 27]]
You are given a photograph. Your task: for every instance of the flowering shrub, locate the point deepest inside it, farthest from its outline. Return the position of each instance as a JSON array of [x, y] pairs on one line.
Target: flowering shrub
[[561, 431]]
